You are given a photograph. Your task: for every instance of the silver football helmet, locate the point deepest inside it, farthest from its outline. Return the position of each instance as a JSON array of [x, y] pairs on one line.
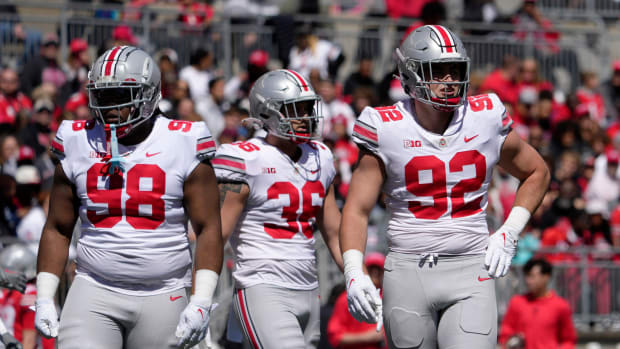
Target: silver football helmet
[[124, 76], [20, 258], [434, 49], [275, 101]]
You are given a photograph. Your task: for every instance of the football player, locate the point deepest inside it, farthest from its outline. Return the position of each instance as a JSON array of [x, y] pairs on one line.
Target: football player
[[432, 155], [275, 191], [131, 175]]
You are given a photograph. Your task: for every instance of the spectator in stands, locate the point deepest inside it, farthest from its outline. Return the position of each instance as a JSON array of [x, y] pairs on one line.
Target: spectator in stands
[[605, 185], [123, 35], [529, 76], [397, 9], [76, 69], [197, 73], [167, 59], [611, 92], [195, 15], [76, 107], [540, 317], [432, 13], [30, 211], [334, 107], [589, 95], [503, 81], [44, 67], [361, 77], [343, 331], [179, 93], [390, 90], [310, 53], [12, 101], [238, 87], [12, 30], [8, 216], [186, 110], [363, 97], [9, 154], [345, 152], [36, 134], [211, 109]]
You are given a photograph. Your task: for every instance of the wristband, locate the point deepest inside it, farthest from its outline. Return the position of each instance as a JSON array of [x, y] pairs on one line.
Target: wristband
[[47, 283], [205, 282], [353, 261], [517, 219]]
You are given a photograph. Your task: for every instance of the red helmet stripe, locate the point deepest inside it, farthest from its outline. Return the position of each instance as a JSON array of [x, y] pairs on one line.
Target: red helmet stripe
[[445, 36], [110, 60], [302, 81]]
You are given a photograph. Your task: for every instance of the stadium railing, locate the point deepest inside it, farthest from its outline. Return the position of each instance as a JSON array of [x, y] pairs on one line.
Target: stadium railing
[[585, 45]]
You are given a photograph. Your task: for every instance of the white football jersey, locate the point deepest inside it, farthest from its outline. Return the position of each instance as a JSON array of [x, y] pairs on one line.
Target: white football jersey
[[436, 185], [134, 229], [273, 241]]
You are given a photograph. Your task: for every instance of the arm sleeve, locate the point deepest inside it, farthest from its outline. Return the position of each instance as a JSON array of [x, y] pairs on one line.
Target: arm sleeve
[[229, 165], [567, 336], [366, 132], [508, 326]]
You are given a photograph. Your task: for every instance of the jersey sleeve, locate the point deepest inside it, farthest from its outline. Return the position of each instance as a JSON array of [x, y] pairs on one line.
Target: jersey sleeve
[[505, 121], [229, 164], [205, 145], [327, 160], [58, 145], [366, 132]]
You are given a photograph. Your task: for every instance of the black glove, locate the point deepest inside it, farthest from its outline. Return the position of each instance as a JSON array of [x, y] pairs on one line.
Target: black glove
[[10, 342], [13, 280]]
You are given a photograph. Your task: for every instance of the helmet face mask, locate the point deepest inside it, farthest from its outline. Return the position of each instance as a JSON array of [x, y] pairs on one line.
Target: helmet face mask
[[287, 106], [124, 77], [425, 58]]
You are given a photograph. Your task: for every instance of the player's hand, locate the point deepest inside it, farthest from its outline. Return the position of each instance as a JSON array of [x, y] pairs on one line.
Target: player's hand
[[46, 317], [10, 342], [502, 248], [193, 323], [13, 280], [364, 300]]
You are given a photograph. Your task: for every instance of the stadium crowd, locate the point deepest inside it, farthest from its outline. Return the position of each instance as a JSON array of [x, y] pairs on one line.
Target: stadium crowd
[[578, 133]]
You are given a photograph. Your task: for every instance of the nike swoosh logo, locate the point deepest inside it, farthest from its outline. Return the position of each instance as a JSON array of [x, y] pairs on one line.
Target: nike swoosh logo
[[201, 314], [483, 279], [469, 139], [350, 282], [149, 155], [174, 298]]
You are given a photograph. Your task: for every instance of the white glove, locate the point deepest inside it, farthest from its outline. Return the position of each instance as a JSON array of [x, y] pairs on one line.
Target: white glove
[[502, 248], [46, 317], [363, 299], [503, 244], [193, 323]]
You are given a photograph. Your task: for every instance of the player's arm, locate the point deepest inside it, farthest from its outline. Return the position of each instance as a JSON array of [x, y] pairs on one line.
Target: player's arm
[[204, 213], [233, 196], [362, 196], [523, 162], [362, 297], [54, 250], [329, 221]]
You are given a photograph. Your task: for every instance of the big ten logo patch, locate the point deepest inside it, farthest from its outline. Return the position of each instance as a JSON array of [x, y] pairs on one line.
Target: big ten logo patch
[[269, 170], [410, 143]]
